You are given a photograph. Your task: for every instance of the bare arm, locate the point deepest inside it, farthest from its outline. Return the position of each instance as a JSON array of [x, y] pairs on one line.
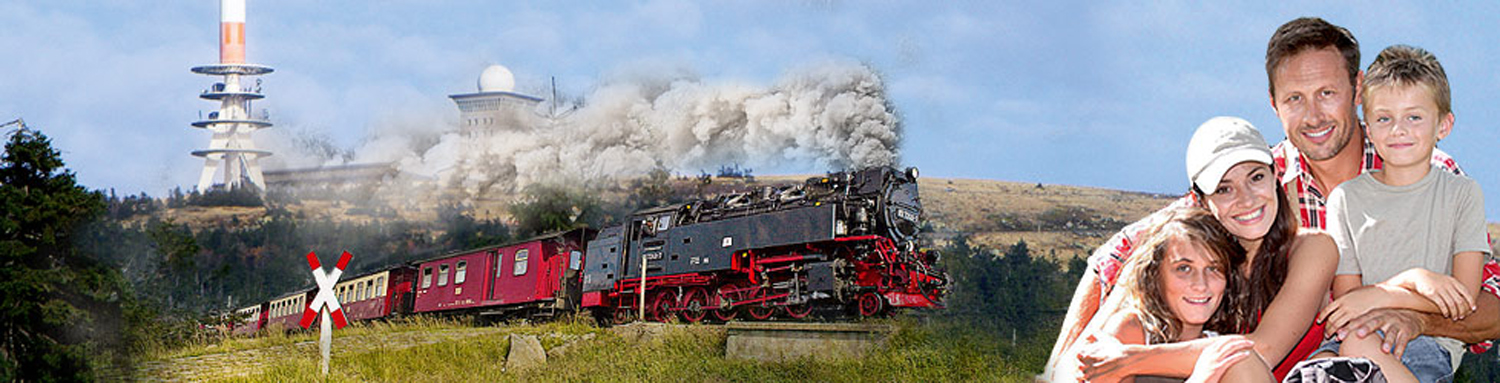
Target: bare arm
[[1310, 268], [1088, 295], [1401, 326], [1121, 331], [1468, 269], [1080, 312], [1362, 300], [1482, 325], [1453, 296]]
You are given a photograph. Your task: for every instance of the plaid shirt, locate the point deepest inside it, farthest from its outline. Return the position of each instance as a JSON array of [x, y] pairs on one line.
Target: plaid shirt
[[1296, 178]]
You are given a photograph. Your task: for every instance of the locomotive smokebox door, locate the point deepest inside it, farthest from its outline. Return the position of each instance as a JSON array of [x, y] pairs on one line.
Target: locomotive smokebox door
[[820, 277]]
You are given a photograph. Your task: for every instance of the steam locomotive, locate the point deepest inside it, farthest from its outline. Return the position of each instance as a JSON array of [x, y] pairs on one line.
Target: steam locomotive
[[842, 244]]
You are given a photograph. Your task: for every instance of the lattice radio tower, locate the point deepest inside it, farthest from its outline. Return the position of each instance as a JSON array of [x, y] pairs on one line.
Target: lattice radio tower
[[231, 149]]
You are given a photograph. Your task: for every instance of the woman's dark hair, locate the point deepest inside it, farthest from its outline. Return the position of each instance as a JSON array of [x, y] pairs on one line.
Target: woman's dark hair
[[1268, 268]]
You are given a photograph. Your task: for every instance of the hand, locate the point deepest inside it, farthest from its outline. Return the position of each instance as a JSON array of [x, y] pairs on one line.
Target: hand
[[1398, 325], [1352, 305], [1101, 359], [1219, 356], [1454, 301]]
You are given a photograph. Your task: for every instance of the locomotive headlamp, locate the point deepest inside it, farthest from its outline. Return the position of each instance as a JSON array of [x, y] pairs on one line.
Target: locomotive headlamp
[[912, 172]]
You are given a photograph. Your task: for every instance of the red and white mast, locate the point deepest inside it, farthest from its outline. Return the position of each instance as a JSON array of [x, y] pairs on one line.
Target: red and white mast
[[231, 149]]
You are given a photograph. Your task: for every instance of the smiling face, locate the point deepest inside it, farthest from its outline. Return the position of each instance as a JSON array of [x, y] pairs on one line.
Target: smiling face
[[1245, 201], [1315, 102], [1192, 283], [1405, 124]]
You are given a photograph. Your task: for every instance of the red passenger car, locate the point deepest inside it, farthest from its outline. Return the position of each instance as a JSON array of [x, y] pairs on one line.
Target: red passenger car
[[538, 274], [285, 313], [376, 295]]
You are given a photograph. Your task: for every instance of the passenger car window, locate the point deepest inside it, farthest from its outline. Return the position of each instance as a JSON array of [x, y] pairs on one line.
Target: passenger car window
[[521, 256], [463, 269]]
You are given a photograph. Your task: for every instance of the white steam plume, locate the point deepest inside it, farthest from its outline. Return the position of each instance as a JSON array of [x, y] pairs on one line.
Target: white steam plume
[[832, 116]]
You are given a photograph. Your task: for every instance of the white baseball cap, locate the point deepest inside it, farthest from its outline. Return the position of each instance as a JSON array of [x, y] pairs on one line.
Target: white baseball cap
[[1219, 144]]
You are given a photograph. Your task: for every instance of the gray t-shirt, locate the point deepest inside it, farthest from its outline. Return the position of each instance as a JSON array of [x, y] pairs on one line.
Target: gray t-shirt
[[1383, 230]]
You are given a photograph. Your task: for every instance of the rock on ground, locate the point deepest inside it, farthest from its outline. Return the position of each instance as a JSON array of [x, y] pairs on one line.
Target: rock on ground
[[525, 352]]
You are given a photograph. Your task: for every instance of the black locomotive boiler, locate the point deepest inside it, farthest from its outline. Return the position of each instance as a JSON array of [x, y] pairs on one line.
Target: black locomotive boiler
[[843, 241]]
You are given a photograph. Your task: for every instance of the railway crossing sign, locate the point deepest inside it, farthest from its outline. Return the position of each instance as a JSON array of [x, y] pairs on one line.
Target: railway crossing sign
[[326, 299], [325, 302]]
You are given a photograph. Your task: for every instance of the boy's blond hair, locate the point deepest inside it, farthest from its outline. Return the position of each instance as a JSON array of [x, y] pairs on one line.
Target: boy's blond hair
[[1406, 65]]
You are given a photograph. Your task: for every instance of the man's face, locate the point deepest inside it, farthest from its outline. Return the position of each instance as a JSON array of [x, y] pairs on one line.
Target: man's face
[[1315, 102]]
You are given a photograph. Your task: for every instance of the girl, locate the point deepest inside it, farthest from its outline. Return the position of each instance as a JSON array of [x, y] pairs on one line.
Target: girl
[[1172, 290]]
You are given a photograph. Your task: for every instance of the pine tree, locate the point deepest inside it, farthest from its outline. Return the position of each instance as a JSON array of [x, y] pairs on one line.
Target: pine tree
[[49, 295]]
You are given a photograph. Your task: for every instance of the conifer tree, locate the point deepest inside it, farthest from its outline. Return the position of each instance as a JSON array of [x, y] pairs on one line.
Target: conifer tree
[[50, 297]]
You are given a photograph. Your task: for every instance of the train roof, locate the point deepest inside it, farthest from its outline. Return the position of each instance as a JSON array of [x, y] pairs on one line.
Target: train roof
[[291, 294]]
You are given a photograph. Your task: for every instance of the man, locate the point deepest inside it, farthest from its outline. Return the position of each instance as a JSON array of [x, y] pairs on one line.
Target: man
[[1315, 81]]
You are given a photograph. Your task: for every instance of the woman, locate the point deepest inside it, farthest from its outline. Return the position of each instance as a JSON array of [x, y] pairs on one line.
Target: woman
[[1175, 288], [1288, 268]]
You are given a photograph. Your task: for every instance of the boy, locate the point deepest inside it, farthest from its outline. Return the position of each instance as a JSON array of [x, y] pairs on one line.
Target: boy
[[1409, 236]]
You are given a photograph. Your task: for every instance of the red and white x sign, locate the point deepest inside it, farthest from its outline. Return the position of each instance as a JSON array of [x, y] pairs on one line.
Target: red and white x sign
[[326, 299]]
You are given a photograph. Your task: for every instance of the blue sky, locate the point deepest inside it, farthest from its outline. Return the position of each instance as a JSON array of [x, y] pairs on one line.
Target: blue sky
[[1076, 93]]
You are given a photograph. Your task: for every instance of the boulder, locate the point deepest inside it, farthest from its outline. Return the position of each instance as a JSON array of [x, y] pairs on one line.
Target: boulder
[[525, 352]]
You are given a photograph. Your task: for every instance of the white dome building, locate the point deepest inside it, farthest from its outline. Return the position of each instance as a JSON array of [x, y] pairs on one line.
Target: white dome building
[[494, 107], [497, 78]]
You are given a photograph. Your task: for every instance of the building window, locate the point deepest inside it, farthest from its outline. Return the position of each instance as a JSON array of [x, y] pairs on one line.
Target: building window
[[521, 262], [426, 277], [443, 274], [463, 270]]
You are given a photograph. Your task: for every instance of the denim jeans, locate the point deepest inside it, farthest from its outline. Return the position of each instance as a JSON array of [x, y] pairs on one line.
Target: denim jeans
[[1423, 356]]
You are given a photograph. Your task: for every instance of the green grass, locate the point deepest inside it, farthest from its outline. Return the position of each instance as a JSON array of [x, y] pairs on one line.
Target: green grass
[[266, 339], [918, 351]]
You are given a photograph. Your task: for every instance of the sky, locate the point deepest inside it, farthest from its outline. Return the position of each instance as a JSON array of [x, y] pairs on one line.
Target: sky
[[1057, 92]]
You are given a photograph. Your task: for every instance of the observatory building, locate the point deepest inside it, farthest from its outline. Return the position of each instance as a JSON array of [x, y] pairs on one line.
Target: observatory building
[[494, 108], [231, 148]]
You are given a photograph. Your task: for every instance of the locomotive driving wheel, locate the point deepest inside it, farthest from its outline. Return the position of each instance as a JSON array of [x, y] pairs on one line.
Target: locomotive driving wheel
[[660, 307], [720, 301], [871, 304], [798, 311], [624, 315], [760, 310], [694, 304]]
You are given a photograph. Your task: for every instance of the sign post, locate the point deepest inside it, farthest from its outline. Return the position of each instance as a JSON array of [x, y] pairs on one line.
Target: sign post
[[326, 303]]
